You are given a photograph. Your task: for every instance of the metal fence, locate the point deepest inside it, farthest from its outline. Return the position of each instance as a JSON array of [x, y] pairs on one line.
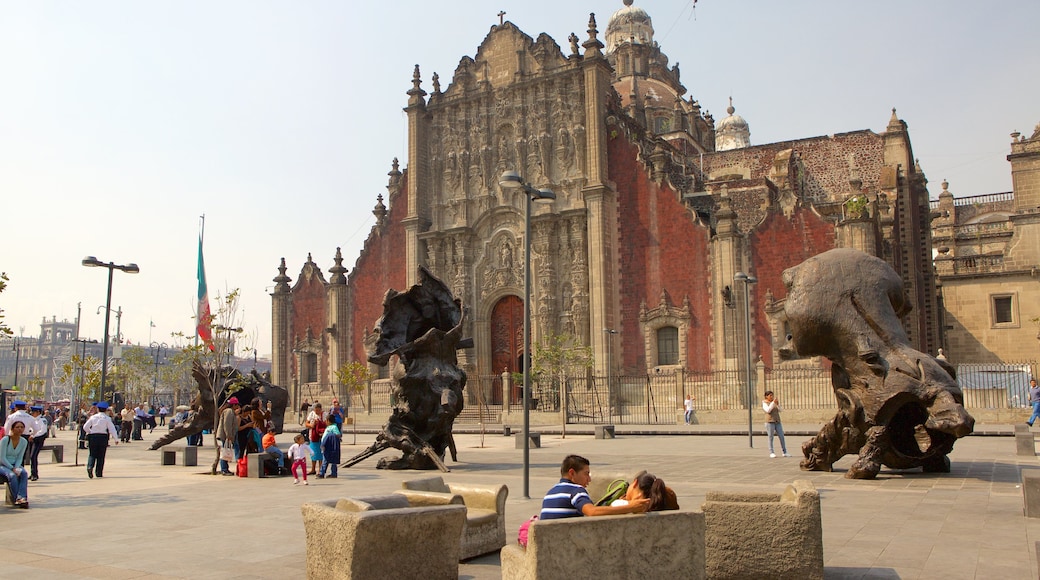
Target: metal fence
[[657, 398]]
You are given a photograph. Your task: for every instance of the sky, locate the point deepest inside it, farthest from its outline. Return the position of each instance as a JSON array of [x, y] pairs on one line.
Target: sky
[[121, 123]]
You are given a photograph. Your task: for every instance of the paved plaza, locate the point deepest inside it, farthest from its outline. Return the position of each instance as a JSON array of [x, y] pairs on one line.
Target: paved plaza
[[144, 520]]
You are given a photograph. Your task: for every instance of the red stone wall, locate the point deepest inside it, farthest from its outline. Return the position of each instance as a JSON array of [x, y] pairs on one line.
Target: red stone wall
[[780, 243], [380, 266], [307, 312], [659, 248]]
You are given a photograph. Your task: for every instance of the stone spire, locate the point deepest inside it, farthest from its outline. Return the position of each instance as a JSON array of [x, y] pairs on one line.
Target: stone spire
[[379, 211], [281, 280], [416, 94], [593, 47]]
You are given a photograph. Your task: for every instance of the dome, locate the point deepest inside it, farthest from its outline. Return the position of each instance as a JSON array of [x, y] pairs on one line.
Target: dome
[[629, 24], [732, 132]]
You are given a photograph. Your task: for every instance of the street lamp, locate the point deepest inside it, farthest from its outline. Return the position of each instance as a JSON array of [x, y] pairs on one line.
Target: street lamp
[[17, 355], [155, 377], [610, 392], [131, 268], [512, 180], [747, 281]]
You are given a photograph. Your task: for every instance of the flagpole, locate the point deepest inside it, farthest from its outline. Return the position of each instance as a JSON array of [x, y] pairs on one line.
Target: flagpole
[[202, 236]]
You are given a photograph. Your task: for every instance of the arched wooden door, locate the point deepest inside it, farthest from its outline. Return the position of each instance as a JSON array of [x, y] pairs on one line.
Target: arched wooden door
[[507, 327]]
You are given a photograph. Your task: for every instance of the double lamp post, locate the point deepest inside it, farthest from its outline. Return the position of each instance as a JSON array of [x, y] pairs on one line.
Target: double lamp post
[[92, 262]]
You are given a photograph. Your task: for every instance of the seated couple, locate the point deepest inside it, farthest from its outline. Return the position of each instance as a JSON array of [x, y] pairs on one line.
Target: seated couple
[[569, 498]]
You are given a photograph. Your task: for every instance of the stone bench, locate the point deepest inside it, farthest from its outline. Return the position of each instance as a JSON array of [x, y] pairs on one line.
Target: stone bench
[[1031, 492], [57, 452], [485, 529], [535, 438], [655, 545], [1025, 445], [255, 464], [764, 535], [376, 537], [8, 500], [604, 431], [189, 456]]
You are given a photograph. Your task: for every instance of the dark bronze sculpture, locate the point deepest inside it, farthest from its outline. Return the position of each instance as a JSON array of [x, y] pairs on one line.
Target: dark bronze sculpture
[[423, 328], [897, 406], [231, 383]]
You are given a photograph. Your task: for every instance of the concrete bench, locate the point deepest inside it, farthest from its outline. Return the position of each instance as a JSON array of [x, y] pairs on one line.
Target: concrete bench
[[255, 464], [57, 452], [1031, 492], [350, 538], [764, 534], [1025, 445], [535, 438], [604, 431], [485, 529], [655, 545], [189, 456]]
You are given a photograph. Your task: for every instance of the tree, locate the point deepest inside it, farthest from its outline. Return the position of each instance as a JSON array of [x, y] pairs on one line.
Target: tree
[[133, 374], [4, 329], [81, 376], [558, 357], [354, 376]]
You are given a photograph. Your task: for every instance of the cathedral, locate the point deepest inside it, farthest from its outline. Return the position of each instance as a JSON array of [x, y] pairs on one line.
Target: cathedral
[[658, 206]]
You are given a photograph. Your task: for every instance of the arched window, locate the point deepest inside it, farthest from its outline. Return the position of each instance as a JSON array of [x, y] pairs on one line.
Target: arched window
[[667, 346], [310, 367]]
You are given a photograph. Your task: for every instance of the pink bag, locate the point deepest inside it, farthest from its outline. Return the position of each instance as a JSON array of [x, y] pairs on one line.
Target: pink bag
[[522, 536]]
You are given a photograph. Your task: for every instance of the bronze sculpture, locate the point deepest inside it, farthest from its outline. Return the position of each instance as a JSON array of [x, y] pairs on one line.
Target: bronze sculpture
[[423, 327], [232, 383], [898, 407]]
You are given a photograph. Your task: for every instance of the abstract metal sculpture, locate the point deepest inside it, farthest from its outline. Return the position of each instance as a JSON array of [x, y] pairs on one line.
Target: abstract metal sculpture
[[230, 382], [422, 327], [898, 407]]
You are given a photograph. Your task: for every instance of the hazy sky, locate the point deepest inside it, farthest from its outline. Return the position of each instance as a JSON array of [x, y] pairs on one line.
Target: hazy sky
[[122, 122]]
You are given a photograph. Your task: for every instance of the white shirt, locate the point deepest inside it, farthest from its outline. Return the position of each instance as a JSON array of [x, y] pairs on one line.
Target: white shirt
[[688, 404], [298, 451], [100, 423], [26, 418]]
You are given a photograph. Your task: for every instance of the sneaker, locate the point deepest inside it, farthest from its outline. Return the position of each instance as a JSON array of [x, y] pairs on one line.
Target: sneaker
[[305, 482], [296, 482], [772, 455], [787, 454]]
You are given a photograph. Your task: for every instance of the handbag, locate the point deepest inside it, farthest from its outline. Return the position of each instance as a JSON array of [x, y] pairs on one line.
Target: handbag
[[227, 453], [243, 467]]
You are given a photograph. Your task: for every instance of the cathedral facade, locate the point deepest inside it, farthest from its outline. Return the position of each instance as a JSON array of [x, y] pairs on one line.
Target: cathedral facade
[[657, 209]]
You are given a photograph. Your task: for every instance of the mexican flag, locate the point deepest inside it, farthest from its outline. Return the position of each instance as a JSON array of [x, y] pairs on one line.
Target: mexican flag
[[203, 317]]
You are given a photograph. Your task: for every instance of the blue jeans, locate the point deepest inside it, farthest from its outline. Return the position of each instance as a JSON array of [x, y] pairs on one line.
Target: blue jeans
[[277, 453], [776, 429], [689, 415], [19, 484], [325, 464], [1036, 413]]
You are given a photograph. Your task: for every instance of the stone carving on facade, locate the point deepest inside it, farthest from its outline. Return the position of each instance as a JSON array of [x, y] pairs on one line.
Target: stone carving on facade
[[897, 406], [663, 315]]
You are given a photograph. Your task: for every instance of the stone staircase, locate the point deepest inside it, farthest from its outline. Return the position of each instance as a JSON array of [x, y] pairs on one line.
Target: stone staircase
[[471, 416]]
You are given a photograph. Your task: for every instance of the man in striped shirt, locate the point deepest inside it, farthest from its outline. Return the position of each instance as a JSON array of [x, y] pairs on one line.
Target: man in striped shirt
[[569, 499]]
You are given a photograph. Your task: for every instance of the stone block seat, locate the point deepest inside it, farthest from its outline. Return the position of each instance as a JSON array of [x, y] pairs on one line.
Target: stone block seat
[[763, 534], [485, 529], [667, 544], [381, 537]]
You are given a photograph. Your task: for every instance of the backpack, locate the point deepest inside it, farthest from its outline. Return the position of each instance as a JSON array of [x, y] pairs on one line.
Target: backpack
[[616, 490]]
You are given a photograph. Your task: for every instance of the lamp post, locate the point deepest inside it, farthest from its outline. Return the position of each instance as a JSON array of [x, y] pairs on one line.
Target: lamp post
[[512, 180], [155, 376], [747, 281], [82, 368], [229, 330], [17, 355], [131, 268]]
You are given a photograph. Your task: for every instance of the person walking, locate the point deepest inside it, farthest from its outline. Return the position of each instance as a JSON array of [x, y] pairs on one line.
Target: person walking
[[127, 423], [1034, 400], [163, 412], [771, 406], [41, 430], [99, 428]]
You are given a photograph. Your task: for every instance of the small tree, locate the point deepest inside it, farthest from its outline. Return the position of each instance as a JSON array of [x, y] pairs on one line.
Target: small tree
[[354, 376], [4, 329], [557, 356]]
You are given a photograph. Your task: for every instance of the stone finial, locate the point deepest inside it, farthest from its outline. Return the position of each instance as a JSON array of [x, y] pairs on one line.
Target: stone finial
[[730, 110], [573, 39], [416, 94], [593, 47], [380, 210], [281, 280], [338, 271], [309, 260], [436, 83], [894, 124]]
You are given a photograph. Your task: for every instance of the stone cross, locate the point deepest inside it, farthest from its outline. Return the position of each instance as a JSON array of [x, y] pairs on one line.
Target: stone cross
[[501, 17]]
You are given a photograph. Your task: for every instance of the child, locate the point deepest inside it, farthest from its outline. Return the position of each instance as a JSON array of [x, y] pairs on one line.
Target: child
[[330, 451], [299, 453], [271, 447]]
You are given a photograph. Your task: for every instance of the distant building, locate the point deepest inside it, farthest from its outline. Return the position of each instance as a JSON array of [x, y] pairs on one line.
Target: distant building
[[988, 262], [657, 208]]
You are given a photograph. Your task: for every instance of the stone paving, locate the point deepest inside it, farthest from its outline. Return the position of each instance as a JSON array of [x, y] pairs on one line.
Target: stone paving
[[144, 520]]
